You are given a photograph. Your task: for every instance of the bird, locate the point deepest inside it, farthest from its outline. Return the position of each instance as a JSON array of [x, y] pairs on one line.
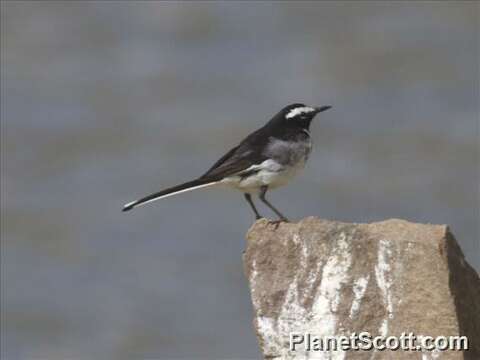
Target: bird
[[266, 159]]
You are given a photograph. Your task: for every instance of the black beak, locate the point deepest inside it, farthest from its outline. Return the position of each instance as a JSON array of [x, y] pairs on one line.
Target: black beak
[[322, 108]]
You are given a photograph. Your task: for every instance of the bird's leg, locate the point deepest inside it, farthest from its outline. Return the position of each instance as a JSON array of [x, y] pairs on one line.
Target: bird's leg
[[263, 191], [248, 197]]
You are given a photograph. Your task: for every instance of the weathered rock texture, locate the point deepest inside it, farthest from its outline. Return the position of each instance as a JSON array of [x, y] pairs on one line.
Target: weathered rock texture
[[332, 278]]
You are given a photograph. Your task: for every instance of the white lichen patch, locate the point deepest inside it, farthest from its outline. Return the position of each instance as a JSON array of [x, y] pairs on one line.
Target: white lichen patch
[[432, 355], [335, 274], [383, 276], [296, 239], [254, 278], [322, 319], [359, 288], [383, 330], [267, 328]]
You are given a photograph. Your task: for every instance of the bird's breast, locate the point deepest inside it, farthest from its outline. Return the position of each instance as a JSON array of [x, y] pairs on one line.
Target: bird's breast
[[290, 152]]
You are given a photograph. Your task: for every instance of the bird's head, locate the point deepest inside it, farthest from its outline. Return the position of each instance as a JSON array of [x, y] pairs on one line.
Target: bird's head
[[299, 115]]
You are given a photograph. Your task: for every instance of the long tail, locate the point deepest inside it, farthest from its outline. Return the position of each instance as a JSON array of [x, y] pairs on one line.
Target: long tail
[[188, 186]]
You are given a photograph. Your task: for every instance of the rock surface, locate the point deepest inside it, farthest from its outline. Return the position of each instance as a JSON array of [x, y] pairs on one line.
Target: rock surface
[[330, 278]]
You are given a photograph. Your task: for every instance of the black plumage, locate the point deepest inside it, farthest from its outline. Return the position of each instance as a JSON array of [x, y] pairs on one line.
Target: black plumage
[[265, 158]]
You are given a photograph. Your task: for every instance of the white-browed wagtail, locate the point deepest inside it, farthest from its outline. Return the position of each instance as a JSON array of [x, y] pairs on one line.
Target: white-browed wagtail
[[267, 158]]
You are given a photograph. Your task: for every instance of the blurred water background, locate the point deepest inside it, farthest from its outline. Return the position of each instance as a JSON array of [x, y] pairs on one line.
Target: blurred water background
[[103, 102]]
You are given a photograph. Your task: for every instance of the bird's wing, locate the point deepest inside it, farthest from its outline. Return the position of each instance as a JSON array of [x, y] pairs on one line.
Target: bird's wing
[[222, 159], [249, 152]]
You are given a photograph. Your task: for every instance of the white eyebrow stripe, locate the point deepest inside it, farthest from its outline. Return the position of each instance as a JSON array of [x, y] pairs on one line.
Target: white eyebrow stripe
[[299, 110]]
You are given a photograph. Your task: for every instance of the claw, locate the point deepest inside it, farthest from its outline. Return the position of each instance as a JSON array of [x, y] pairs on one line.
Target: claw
[[277, 223]]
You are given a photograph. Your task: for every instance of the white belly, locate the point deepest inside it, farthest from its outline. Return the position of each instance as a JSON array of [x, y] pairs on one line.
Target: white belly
[[270, 174]]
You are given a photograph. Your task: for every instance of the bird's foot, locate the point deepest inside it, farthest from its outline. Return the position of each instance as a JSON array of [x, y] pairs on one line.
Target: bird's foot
[[277, 223]]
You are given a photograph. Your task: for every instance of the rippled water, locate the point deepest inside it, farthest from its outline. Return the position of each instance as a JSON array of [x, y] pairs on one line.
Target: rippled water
[[103, 102]]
